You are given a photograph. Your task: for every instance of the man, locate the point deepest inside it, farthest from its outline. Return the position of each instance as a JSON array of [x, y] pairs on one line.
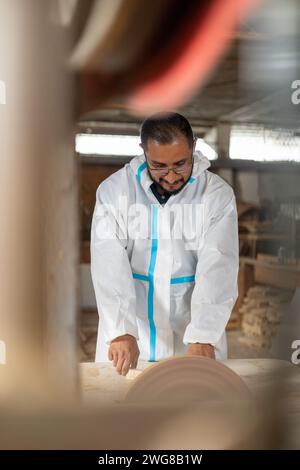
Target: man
[[165, 281]]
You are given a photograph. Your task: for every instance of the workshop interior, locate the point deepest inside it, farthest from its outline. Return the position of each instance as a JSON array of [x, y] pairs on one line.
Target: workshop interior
[[77, 80]]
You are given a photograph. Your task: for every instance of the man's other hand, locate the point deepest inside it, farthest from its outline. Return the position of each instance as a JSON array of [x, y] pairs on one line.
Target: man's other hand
[[201, 349], [124, 353]]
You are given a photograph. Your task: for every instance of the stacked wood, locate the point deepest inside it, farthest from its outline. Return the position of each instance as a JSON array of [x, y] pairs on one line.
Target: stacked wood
[[247, 210], [234, 322], [88, 328], [248, 216], [261, 312]]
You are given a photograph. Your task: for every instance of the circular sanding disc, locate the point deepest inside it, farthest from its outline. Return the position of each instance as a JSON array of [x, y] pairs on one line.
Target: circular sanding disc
[[187, 379]]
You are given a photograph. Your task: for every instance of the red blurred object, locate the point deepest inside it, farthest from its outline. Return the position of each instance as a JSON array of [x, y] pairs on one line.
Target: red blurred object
[[179, 44], [197, 48]]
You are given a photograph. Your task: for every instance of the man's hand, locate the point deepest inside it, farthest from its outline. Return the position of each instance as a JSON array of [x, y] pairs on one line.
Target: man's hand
[[201, 349], [124, 353]]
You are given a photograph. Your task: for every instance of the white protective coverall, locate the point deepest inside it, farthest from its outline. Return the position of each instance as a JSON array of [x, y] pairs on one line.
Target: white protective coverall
[[165, 287]]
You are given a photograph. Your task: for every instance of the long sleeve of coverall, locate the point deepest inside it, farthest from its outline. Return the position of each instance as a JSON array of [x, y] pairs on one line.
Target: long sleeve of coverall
[[215, 290], [111, 273]]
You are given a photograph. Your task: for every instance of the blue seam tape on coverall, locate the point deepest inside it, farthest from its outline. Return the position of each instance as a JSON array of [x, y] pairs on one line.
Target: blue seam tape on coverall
[[150, 277], [140, 170], [151, 282], [174, 280]]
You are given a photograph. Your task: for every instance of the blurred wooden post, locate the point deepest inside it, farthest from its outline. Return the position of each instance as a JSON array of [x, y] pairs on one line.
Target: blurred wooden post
[[38, 200]]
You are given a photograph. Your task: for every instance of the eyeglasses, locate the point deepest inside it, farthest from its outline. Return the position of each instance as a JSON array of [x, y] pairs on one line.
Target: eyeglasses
[[178, 170]]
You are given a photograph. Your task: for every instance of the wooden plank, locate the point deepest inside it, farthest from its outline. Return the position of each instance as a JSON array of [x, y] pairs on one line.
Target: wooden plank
[[245, 280], [91, 175], [267, 264], [101, 383], [268, 271], [85, 255]]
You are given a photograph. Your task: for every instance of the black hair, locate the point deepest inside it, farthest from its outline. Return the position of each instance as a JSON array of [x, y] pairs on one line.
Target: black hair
[[164, 128]]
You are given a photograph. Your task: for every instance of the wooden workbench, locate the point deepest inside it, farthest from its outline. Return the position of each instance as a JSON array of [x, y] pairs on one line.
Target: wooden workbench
[[274, 381], [101, 383]]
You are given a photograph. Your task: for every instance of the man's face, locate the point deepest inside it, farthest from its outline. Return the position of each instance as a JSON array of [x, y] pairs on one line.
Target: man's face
[[176, 155]]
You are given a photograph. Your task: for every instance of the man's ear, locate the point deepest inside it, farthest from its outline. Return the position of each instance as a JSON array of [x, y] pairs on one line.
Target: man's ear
[[194, 143], [141, 145]]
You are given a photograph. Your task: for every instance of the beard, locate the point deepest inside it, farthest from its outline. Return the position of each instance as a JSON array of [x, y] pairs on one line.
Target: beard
[[170, 193], [165, 191]]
